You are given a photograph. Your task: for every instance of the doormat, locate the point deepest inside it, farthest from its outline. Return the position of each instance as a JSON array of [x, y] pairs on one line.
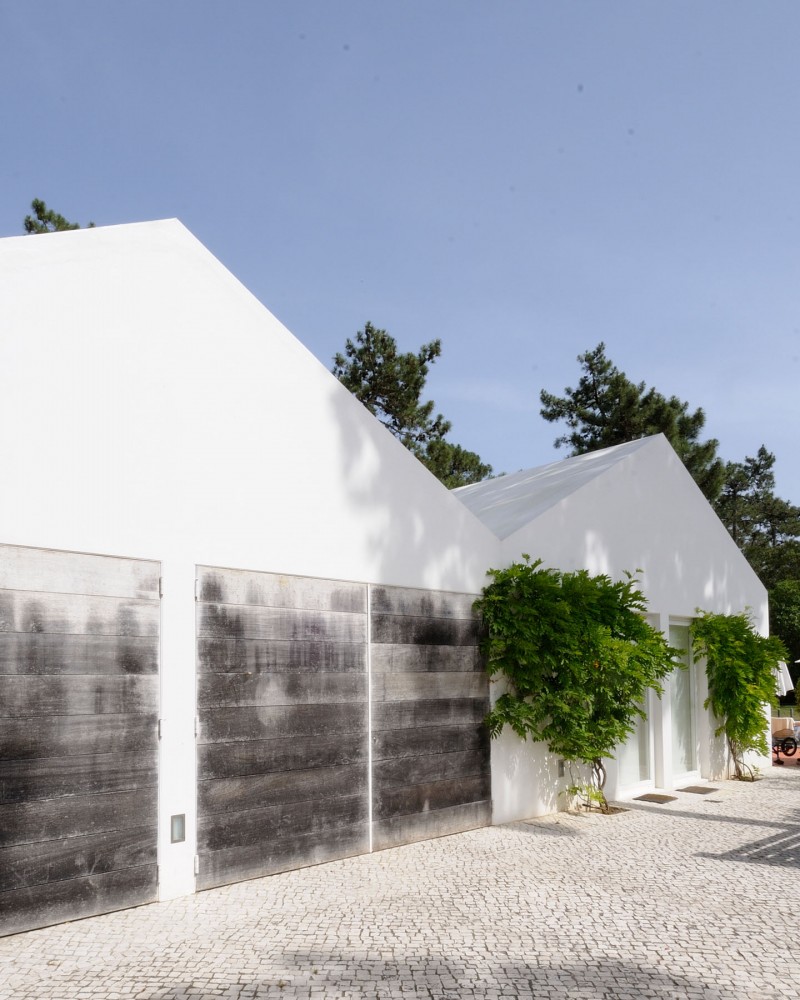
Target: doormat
[[698, 790], [654, 797]]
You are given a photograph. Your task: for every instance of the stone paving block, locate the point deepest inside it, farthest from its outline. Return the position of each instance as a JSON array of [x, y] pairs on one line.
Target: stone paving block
[[581, 907]]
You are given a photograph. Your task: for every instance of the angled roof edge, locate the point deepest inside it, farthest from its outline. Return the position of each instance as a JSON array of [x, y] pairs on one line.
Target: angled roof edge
[[165, 236], [508, 503], [36, 246]]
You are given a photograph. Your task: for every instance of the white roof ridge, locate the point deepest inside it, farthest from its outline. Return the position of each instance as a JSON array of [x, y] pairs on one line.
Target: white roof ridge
[[509, 502]]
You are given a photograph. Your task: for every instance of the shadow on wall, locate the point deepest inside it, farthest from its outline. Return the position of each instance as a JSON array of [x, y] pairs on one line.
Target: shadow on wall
[[417, 533], [684, 554], [525, 777], [719, 761], [421, 535], [665, 546]]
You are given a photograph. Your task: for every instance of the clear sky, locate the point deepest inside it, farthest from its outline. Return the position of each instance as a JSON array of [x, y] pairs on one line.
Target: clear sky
[[521, 178]]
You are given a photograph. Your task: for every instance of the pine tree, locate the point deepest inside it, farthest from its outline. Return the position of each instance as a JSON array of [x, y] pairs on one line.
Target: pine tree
[[46, 220], [390, 384], [606, 408]]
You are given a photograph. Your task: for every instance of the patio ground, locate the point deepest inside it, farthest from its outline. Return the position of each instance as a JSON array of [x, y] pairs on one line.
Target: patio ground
[[691, 899]]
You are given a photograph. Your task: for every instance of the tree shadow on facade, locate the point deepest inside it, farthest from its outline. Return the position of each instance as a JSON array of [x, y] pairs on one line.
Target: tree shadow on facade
[[415, 532]]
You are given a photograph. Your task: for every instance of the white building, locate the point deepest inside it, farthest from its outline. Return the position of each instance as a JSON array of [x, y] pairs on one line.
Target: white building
[[630, 508], [232, 605]]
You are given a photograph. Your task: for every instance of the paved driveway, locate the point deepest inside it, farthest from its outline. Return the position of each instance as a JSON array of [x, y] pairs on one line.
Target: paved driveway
[[673, 900]]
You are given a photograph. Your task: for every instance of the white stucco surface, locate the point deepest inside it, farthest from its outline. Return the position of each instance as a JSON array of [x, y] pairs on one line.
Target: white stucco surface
[[646, 515], [151, 407], [147, 395], [510, 503], [632, 508]]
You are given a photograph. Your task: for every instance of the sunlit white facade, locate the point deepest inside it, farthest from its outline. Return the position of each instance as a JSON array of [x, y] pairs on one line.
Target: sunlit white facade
[[631, 508]]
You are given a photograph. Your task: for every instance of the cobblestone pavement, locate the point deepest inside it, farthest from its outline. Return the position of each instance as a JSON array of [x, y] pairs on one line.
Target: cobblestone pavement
[[661, 901]]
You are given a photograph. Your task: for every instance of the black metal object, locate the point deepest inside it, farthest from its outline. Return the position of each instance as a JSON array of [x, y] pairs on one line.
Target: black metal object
[[783, 742]]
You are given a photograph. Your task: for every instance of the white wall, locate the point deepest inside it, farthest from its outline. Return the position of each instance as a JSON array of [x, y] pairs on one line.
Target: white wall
[[151, 407], [148, 391], [645, 513]]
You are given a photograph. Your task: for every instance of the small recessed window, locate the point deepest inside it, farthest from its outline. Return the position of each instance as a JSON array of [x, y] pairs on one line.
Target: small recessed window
[[177, 828]]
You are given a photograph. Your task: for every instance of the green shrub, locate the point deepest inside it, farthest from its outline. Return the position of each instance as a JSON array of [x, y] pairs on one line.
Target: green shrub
[[740, 665], [577, 655]]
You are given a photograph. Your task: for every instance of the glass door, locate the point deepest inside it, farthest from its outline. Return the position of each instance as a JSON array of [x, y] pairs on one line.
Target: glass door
[[684, 739], [633, 756]]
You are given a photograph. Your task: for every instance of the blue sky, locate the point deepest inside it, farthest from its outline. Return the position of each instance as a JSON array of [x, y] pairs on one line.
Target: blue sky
[[520, 179]]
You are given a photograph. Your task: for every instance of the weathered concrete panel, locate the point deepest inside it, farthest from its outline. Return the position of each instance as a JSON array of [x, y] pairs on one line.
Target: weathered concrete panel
[[79, 702], [429, 698], [284, 723]]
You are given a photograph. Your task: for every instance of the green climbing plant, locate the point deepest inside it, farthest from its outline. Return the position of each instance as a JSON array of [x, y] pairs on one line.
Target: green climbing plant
[[577, 656], [740, 665]]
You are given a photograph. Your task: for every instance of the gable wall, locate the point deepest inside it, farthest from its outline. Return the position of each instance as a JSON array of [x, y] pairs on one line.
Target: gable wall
[[645, 513], [148, 399], [151, 407]]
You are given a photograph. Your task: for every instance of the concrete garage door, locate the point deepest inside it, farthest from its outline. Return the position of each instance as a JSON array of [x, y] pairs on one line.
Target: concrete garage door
[[283, 738], [290, 743], [430, 694], [79, 637]]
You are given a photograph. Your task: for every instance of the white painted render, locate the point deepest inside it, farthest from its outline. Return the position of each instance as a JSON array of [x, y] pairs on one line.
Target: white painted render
[[151, 407], [153, 397], [631, 508]]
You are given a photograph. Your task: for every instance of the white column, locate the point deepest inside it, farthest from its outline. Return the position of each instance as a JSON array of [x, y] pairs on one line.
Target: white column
[[661, 720], [177, 779]]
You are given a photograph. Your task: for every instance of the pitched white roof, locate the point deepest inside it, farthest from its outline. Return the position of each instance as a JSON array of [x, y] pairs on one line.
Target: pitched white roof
[[508, 503]]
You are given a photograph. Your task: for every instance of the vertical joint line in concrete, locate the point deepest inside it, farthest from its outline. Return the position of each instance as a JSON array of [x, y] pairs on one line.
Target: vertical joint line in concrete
[[369, 712]]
